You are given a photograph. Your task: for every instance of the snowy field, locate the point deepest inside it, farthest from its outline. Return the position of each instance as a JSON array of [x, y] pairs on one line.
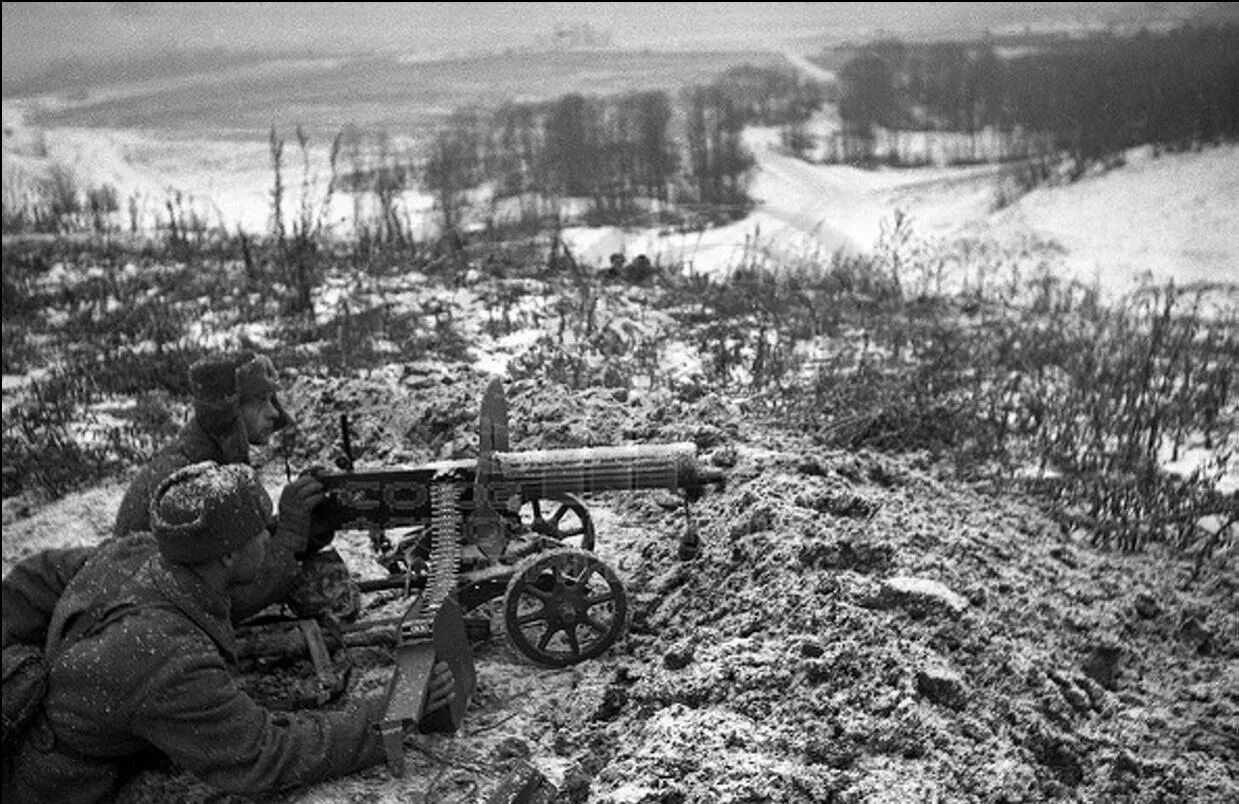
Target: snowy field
[[1171, 216]]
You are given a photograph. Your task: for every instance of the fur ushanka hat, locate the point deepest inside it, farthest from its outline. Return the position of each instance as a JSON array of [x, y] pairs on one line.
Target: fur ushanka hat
[[219, 384], [207, 510]]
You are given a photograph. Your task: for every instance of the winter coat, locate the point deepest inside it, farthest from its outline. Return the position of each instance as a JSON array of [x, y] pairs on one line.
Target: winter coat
[[192, 445], [139, 653], [280, 569], [31, 591]]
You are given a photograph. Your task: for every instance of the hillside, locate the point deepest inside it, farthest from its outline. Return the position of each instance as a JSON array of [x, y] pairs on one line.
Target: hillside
[[1168, 216]]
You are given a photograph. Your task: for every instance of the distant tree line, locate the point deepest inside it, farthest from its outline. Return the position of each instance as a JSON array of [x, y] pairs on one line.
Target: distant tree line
[[621, 153], [770, 96], [1096, 96], [637, 157]]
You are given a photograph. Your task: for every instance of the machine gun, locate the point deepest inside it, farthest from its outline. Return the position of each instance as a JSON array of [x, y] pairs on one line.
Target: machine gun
[[507, 525]]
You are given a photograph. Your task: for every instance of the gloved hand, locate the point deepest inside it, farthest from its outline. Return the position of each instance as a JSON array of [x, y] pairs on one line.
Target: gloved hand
[[321, 535], [440, 693], [297, 503], [440, 690]]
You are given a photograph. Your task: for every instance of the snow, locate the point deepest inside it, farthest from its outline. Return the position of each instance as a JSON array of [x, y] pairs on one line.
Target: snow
[[926, 589], [1173, 216], [198, 181], [12, 382], [1170, 216], [494, 359], [1198, 458]]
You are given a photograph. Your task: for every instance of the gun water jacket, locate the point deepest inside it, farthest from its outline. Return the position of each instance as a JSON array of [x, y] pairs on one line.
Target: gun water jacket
[[139, 653]]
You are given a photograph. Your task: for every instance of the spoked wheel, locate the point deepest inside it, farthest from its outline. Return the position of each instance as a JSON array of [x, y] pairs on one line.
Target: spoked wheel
[[563, 607], [563, 518]]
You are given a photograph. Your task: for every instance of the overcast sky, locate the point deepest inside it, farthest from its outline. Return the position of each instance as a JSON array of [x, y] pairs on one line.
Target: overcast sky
[[38, 33]]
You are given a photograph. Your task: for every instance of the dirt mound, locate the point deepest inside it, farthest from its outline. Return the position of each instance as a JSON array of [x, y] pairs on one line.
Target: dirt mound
[[857, 629]]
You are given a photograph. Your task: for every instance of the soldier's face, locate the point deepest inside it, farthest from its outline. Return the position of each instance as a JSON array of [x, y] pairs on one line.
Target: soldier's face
[[259, 416], [247, 561]]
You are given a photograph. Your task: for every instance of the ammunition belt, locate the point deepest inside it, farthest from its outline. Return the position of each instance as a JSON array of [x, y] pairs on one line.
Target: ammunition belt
[[445, 523]]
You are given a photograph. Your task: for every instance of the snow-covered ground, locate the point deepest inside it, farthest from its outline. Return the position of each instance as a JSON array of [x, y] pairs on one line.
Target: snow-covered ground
[[221, 183], [1175, 216]]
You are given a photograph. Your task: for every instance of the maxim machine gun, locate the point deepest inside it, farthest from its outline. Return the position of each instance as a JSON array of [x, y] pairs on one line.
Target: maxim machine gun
[[507, 526]]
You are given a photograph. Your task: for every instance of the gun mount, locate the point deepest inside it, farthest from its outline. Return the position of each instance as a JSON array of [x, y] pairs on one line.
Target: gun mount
[[509, 525]]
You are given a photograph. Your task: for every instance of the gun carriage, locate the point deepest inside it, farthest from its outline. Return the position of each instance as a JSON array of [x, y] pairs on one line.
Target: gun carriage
[[508, 526]]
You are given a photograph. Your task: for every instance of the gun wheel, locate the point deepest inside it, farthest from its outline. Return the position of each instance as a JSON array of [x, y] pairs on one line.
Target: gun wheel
[[568, 519], [563, 607]]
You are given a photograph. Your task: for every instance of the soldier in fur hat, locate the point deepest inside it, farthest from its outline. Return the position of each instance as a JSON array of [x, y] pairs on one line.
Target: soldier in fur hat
[[139, 650], [236, 406]]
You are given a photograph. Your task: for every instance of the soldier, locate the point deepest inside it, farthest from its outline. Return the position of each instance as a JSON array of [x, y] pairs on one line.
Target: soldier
[[138, 654], [235, 406]]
